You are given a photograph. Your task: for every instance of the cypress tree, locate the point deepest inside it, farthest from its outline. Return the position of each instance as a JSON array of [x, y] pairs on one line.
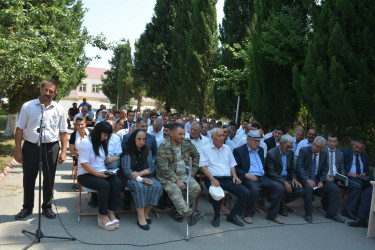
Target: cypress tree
[[336, 82], [235, 28], [279, 30]]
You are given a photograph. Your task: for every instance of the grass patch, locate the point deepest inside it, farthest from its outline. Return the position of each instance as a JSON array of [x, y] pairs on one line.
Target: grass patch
[[6, 144]]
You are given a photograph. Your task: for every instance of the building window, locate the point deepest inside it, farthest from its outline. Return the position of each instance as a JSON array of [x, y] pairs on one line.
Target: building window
[[95, 88], [82, 87]]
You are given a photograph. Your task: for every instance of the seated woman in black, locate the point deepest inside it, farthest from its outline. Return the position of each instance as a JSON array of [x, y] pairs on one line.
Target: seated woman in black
[[91, 173], [139, 168]]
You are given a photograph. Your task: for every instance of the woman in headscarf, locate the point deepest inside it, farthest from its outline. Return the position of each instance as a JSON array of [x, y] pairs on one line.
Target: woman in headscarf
[[139, 168]]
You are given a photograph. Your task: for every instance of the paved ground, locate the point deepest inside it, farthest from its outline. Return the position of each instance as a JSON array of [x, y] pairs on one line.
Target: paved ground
[[165, 233]]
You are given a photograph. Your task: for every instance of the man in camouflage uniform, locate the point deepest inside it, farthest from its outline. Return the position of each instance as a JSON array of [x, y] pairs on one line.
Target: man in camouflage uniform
[[173, 156]]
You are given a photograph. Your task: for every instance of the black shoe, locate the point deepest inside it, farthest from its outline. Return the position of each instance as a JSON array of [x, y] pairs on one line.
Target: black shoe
[[23, 214], [349, 214], [308, 218], [144, 227], [283, 212], [194, 217], [358, 223], [149, 221], [49, 213], [216, 221], [235, 221], [176, 216], [335, 218]]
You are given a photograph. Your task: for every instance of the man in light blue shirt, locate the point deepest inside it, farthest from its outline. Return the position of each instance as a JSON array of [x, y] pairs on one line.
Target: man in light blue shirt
[[250, 162]]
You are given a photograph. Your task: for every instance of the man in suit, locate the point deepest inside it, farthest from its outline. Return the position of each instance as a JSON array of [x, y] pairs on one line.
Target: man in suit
[[250, 169], [280, 167], [130, 119], [274, 141], [336, 165], [364, 209], [311, 170], [356, 164]]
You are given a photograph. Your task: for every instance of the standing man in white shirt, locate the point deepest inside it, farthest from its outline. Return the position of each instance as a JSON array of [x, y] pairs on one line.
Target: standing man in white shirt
[[54, 121]]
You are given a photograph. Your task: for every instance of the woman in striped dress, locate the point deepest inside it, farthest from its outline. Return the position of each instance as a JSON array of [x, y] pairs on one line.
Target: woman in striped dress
[[139, 168]]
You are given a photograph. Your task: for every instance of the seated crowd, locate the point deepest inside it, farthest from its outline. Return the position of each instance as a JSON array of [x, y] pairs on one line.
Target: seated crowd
[[152, 153]]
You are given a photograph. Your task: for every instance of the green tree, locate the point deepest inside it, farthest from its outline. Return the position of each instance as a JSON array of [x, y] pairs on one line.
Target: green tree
[[118, 84], [234, 30], [278, 43], [39, 40], [178, 73], [152, 57], [194, 53], [336, 82]]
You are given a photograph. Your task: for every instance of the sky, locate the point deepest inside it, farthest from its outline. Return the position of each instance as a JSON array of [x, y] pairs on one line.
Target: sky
[[119, 19]]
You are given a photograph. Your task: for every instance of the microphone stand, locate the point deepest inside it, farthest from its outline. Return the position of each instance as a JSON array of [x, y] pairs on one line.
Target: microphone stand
[[38, 233]]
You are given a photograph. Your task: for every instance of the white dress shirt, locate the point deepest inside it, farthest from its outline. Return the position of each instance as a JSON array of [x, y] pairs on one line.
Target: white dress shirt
[[157, 135], [87, 155], [54, 121], [200, 143], [333, 156], [114, 145], [218, 161]]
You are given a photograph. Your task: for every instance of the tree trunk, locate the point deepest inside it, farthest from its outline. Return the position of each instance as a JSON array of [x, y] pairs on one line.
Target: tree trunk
[[11, 125], [139, 102]]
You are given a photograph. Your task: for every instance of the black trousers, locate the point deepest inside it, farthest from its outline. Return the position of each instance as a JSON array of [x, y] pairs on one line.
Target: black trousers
[[30, 167], [275, 192], [331, 197], [364, 183], [353, 201], [109, 190], [240, 191], [294, 195]]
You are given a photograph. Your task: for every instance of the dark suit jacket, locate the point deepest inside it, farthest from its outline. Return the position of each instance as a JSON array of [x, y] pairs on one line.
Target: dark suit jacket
[[274, 165], [303, 165], [126, 124], [348, 161], [339, 161], [150, 142], [271, 143], [241, 155]]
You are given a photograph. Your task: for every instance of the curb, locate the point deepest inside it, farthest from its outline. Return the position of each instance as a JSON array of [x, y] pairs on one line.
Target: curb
[[7, 169]]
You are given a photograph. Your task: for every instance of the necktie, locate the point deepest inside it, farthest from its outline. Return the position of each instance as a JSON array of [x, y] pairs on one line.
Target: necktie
[[331, 163], [357, 165], [313, 168]]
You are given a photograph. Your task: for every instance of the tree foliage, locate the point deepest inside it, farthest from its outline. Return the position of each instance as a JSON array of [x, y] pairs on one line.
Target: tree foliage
[[39, 40], [234, 33], [152, 57], [337, 80], [278, 42], [118, 84], [194, 53]]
